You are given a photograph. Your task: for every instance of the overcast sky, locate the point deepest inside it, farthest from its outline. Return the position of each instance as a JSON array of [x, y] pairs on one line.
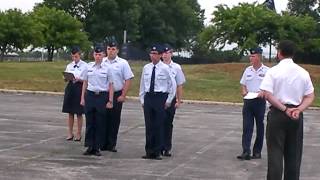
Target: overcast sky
[[208, 5]]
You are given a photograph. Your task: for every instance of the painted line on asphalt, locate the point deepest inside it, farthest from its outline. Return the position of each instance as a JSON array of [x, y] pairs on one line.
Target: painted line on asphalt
[[128, 97]]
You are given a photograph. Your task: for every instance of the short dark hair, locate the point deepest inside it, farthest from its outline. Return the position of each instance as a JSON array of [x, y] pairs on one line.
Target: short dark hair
[[287, 48]]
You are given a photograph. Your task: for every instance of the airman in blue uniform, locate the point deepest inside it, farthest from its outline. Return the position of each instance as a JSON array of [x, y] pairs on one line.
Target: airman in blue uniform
[[157, 90], [122, 76], [253, 105], [180, 79], [96, 98]]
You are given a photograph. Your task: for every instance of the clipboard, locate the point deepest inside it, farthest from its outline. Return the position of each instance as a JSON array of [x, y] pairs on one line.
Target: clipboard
[[68, 76]]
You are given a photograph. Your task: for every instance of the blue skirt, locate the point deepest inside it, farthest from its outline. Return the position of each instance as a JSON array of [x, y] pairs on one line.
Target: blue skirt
[[72, 97]]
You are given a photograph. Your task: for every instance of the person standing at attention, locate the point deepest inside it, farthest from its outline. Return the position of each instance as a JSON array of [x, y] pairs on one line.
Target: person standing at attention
[[180, 79], [122, 76], [253, 107], [96, 100], [157, 89], [289, 90], [72, 94]]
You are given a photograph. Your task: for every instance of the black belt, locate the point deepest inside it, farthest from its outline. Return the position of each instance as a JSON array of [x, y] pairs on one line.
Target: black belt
[[291, 105], [96, 92], [156, 93]]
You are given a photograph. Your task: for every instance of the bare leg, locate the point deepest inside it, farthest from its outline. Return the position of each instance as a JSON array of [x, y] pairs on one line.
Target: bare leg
[[79, 127], [70, 126]]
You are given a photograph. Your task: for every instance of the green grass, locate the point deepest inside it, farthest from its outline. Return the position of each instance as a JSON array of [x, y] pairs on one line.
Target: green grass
[[215, 82]]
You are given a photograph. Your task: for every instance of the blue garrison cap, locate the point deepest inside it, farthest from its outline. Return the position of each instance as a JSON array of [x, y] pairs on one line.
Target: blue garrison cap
[[75, 49], [167, 47], [256, 50], [156, 47], [112, 43], [98, 48]]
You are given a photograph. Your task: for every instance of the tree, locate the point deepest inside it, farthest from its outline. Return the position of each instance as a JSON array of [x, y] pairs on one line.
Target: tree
[[76, 8], [17, 31], [303, 7], [249, 25], [310, 48], [175, 22], [111, 17], [59, 29], [146, 21]]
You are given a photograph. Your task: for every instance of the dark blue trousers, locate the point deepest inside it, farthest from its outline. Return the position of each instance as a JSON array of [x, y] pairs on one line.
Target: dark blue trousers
[[154, 115], [113, 122], [95, 112], [253, 111], [168, 126]]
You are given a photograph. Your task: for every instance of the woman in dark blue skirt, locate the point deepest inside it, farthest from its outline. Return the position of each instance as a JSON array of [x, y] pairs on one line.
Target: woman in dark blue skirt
[[72, 95]]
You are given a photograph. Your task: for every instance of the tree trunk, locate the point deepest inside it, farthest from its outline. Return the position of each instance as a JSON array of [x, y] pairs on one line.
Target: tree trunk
[[50, 53], [2, 52], [1, 55]]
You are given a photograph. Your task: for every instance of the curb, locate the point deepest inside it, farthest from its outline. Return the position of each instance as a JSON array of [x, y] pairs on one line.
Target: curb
[[128, 97]]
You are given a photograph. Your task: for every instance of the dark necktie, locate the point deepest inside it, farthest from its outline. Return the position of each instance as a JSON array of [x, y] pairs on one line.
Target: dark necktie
[[152, 79], [75, 66]]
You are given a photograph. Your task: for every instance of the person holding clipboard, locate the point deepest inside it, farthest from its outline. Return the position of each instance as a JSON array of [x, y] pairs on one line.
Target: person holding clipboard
[[74, 75], [253, 105]]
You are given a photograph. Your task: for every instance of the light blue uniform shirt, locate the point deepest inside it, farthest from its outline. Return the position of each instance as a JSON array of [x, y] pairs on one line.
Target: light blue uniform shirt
[[164, 81], [252, 78], [120, 70], [177, 73], [78, 70], [98, 77]]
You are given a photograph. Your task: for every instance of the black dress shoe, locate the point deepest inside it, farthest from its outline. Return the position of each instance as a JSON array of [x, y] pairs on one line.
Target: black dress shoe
[[244, 156], [147, 156], [96, 153], [156, 157], [89, 151], [166, 153], [256, 156], [113, 149]]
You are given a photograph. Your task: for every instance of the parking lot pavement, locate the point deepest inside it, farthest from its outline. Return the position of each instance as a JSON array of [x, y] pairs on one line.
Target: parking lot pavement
[[207, 139]]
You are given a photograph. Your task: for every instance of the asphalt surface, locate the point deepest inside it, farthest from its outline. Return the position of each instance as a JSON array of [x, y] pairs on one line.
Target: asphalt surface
[[207, 139]]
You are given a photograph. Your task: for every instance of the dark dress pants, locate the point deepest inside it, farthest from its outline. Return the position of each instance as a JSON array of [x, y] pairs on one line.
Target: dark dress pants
[[154, 115], [253, 111], [95, 112], [168, 126], [113, 122], [284, 144]]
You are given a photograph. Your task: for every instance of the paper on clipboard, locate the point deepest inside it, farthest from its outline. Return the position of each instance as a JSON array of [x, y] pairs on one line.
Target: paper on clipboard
[[68, 76], [251, 95]]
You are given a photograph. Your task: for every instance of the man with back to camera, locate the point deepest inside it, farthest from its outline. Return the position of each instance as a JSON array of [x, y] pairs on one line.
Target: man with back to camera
[[253, 107], [289, 90]]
